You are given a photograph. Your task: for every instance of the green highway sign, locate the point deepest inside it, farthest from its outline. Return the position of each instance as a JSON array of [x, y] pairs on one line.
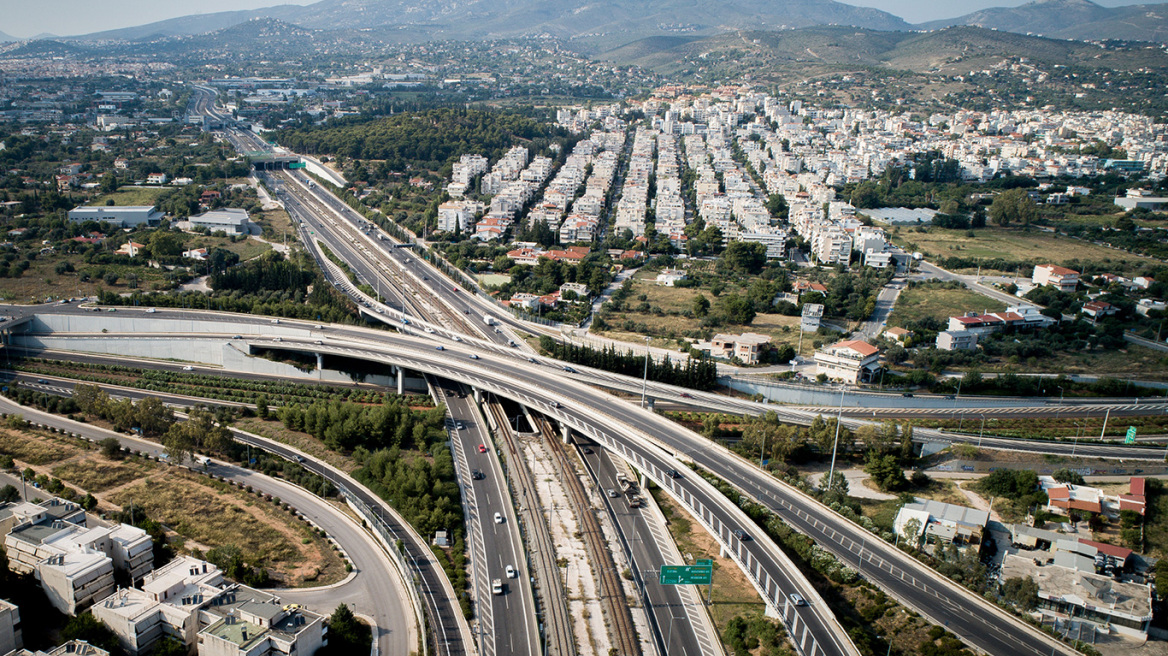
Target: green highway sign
[[705, 562], [1131, 435], [686, 574]]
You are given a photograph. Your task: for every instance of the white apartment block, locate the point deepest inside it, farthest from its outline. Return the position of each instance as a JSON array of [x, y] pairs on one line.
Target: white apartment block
[[457, 214], [74, 564], [71, 648], [11, 637], [247, 622], [168, 603]]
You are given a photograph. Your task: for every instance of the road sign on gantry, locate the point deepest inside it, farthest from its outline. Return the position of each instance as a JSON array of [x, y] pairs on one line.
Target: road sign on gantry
[[686, 574]]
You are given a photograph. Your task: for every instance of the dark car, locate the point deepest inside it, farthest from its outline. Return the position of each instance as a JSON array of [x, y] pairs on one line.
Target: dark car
[[907, 395], [672, 473], [477, 475]]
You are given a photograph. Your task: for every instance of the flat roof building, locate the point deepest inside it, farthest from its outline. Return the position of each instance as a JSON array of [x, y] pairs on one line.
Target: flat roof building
[[10, 634], [1067, 591], [74, 564], [231, 221], [129, 216]]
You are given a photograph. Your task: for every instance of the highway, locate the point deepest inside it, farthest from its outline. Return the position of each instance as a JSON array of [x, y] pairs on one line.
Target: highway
[[506, 622], [680, 624], [373, 589], [656, 447], [541, 386]]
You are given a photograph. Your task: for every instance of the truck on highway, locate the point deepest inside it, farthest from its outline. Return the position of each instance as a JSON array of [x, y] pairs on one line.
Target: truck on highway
[[489, 320], [917, 256]]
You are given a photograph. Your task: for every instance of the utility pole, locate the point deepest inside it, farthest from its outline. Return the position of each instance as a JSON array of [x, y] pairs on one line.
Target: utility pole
[[835, 444], [1105, 418], [645, 379]]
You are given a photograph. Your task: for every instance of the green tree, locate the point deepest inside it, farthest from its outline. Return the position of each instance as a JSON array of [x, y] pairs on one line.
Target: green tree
[[1013, 206], [701, 305], [777, 206], [744, 257], [886, 472], [111, 448], [90, 629], [1022, 592], [347, 634], [1068, 476]]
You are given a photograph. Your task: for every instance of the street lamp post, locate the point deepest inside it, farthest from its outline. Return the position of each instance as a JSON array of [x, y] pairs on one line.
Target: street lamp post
[[1059, 411], [645, 379], [835, 444], [981, 432]]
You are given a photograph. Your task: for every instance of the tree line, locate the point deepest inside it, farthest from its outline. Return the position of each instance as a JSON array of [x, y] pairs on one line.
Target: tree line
[[694, 373], [345, 426]]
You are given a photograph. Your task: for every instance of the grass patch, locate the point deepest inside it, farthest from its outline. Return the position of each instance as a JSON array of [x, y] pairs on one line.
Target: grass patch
[[219, 515], [132, 196], [926, 300], [98, 475], [274, 430], [667, 328], [33, 451], [246, 249], [1010, 244]]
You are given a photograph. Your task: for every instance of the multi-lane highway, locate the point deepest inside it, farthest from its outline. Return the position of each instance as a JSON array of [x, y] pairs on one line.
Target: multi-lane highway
[[680, 624], [506, 619], [652, 444]]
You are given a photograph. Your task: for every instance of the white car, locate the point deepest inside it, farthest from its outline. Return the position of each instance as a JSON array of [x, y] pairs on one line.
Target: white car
[[188, 368], [498, 518], [510, 572], [151, 311]]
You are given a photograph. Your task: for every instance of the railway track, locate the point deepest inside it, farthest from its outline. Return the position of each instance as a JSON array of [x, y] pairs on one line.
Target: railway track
[[550, 592], [624, 634]]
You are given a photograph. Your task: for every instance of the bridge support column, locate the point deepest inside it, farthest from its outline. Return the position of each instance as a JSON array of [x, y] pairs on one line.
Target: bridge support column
[[565, 433], [644, 481], [319, 366], [401, 380], [649, 403], [478, 395]]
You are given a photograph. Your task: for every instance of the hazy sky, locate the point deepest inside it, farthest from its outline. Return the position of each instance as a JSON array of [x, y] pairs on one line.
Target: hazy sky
[[26, 18]]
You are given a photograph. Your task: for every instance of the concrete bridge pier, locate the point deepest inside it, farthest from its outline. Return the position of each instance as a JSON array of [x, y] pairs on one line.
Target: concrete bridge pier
[[478, 395], [401, 380], [565, 433]]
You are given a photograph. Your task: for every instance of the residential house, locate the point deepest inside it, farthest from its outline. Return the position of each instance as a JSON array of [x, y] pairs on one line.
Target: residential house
[[956, 340], [157, 178], [897, 334], [11, 636], [130, 249], [669, 277], [1062, 278], [943, 524], [849, 361], [1099, 309], [747, 347]]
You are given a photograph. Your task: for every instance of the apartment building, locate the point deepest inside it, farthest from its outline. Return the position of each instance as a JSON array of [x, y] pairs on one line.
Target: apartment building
[[167, 604], [850, 361], [1062, 278], [10, 633], [71, 648], [74, 564]]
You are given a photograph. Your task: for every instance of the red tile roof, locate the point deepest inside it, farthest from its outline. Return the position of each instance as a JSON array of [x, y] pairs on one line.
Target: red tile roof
[[1108, 549], [1138, 484]]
